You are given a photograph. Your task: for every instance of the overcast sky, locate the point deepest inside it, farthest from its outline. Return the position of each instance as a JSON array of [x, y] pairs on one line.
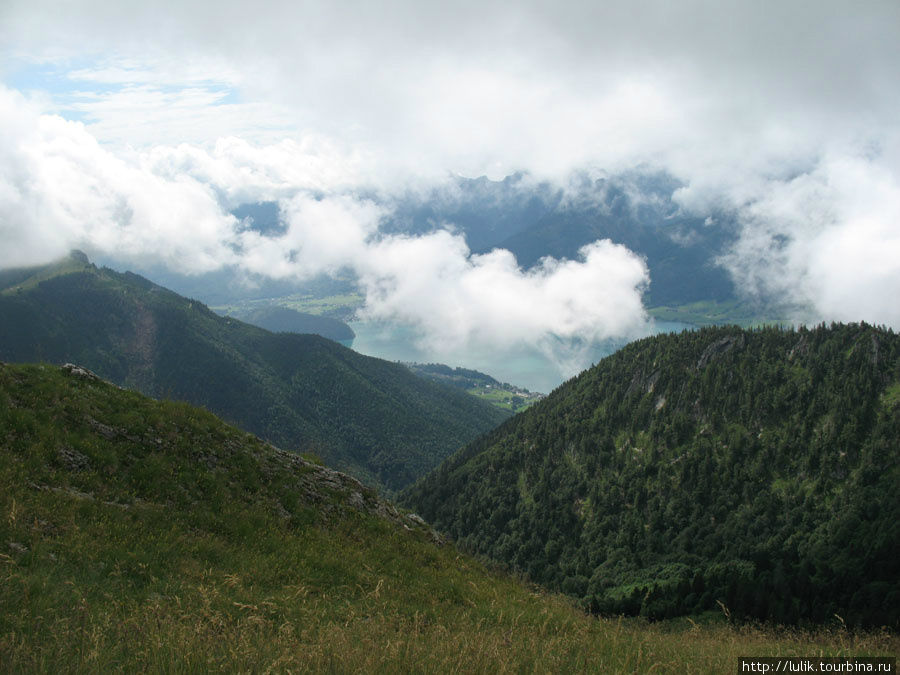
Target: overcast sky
[[133, 130]]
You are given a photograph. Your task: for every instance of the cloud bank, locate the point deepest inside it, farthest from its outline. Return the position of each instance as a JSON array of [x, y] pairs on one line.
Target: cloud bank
[[62, 189], [136, 129], [825, 244]]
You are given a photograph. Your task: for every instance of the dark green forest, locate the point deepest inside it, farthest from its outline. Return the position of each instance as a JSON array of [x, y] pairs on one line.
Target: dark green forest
[[753, 473], [366, 416]]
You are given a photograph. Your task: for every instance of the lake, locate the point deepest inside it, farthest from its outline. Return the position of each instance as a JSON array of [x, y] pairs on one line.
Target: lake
[[526, 366]]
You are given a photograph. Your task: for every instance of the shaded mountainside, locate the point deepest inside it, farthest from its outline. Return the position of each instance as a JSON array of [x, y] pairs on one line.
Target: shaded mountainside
[[756, 469], [371, 418], [680, 252], [533, 220]]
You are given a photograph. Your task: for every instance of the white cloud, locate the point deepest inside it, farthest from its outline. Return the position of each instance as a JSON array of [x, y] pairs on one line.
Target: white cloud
[[62, 189], [242, 172], [456, 301], [782, 113], [826, 244], [460, 300]]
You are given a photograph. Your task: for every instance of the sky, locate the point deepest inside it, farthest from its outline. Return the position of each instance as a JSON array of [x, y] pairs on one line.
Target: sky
[[133, 129]]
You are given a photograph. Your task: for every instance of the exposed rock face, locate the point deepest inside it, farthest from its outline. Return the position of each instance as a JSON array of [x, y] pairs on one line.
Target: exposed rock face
[[643, 383], [799, 349], [72, 459], [717, 348], [79, 371], [330, 490]]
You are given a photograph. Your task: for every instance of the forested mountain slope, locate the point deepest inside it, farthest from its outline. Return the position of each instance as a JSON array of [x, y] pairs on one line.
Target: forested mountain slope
[[756, 469], [371, 418]]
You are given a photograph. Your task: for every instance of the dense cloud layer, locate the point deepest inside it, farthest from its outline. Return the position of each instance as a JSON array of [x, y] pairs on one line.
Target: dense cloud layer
[[825, 243], [782, 114], [61, 189]]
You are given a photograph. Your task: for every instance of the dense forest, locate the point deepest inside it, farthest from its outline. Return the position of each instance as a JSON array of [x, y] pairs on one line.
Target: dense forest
[[749, 472], [369, 417]]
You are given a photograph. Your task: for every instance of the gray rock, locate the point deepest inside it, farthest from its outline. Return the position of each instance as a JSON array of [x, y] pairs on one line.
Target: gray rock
[[718, 348], [79, 371], [72, 459]]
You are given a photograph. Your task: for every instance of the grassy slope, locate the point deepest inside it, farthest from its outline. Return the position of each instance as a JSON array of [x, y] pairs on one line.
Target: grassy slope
[[138, 535], [339, 307], [500, 394], [363, 415], [718, 313], [504, 398]]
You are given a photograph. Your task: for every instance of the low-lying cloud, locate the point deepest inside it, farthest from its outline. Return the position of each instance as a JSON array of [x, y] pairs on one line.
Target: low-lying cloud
[[824, 245], [61, 189]]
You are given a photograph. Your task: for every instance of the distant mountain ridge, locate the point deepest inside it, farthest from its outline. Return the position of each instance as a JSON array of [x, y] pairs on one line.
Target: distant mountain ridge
[[371, 418], [755, 471], [530, 218], [286, 320], [534, 220]]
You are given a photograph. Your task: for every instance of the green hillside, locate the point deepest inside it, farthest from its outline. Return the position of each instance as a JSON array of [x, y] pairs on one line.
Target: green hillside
[[722, 469], [371, 418], [147, 536], [500, 394]]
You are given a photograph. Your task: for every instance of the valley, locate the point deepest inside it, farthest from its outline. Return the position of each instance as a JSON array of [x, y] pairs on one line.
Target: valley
[[676, 482]]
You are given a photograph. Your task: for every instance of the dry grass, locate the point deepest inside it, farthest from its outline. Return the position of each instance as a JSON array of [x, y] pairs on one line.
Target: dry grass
[[221, 622]]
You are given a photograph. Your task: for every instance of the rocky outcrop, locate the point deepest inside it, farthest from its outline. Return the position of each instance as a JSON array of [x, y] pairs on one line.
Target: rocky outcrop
[[79, 371], [716, 349], [330, 492]]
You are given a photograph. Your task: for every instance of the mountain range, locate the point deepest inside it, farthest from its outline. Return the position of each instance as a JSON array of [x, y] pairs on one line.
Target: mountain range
[[747, 471], [371, 418], [532, 219]]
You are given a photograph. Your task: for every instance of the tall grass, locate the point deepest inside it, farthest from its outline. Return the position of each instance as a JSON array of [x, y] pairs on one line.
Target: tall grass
[[110, 592]]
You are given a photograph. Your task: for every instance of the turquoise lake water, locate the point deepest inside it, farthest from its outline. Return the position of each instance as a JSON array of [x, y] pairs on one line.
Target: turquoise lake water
[[524, 366]]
